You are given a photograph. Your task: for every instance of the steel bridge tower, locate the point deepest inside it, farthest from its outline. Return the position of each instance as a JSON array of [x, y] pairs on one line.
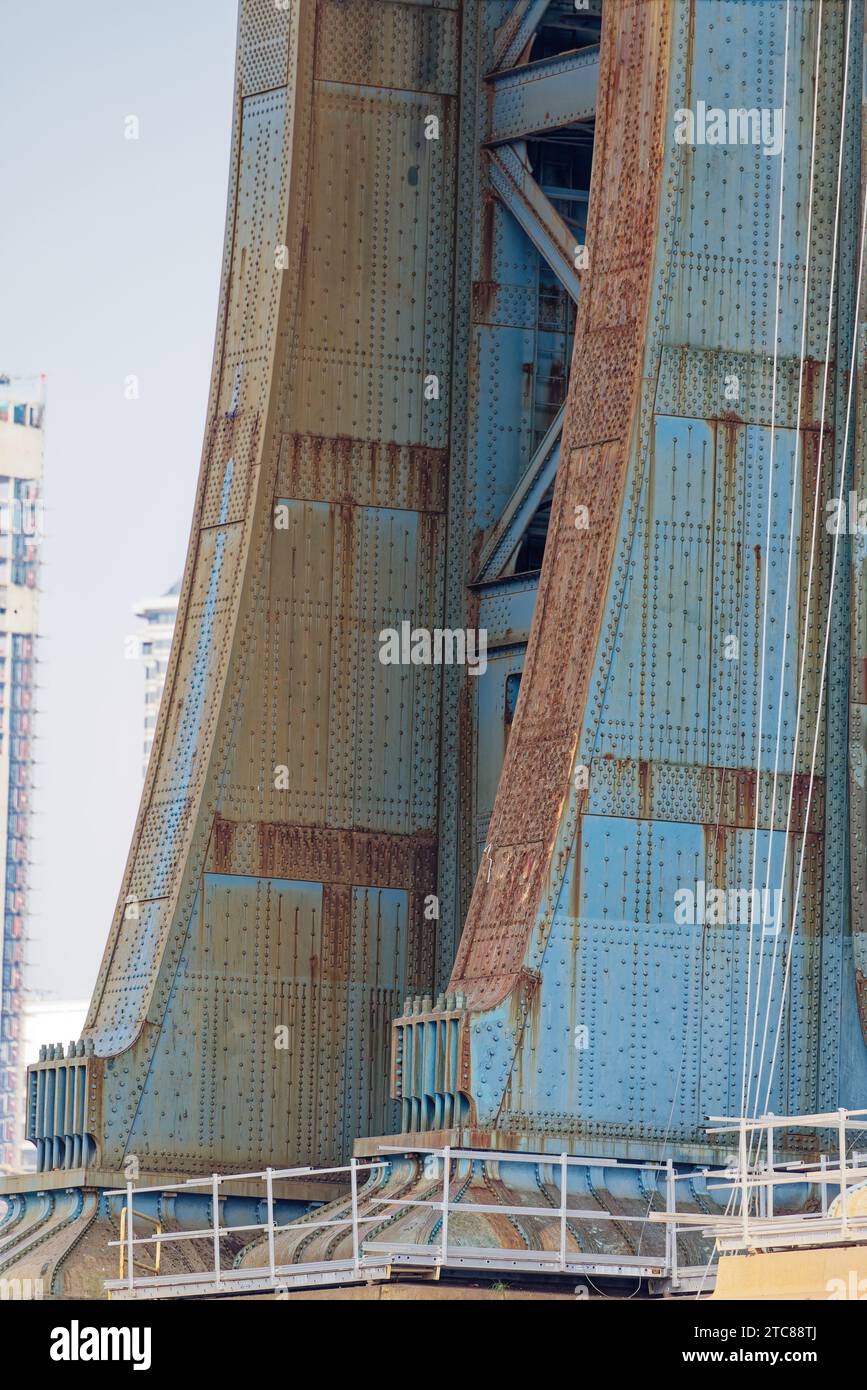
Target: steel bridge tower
[[592, 425]]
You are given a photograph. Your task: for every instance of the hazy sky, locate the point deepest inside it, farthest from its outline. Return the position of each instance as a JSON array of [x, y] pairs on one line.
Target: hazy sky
[[110, 252]]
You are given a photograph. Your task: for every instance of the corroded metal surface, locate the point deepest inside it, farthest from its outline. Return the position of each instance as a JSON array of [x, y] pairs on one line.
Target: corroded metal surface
[[270, 919], [648, 754], [570, 610], [413, 250], [391, 353]]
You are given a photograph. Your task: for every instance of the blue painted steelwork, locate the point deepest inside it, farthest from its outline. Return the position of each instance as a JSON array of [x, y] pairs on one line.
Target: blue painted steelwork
[[391, 441], [536, 214], [594, 1010], [525, 501], [544, 96]]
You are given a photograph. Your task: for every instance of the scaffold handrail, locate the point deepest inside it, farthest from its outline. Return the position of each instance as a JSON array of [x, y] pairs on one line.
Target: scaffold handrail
[[751, 1228]]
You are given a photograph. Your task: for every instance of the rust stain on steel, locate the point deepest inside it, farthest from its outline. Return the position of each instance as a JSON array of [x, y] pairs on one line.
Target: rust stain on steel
[[861, 993], [745, 796], [524, 1021], [363, 472], [610, 329], [644, 780], [319, 854], [575, 904], [336, 930], [716, 841], [224, 834]]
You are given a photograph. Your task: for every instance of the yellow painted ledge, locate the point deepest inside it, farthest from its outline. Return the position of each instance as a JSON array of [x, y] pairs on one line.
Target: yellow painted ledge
[[830, 1272]]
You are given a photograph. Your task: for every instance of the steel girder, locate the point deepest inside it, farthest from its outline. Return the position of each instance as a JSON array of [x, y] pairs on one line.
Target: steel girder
[[544, 96], [527, 100], [517, 31], [536, 214], [522, 505]]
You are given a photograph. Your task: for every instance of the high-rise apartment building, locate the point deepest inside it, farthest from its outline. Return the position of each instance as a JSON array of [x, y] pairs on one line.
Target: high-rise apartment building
[[22, 407], [153, 643]]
